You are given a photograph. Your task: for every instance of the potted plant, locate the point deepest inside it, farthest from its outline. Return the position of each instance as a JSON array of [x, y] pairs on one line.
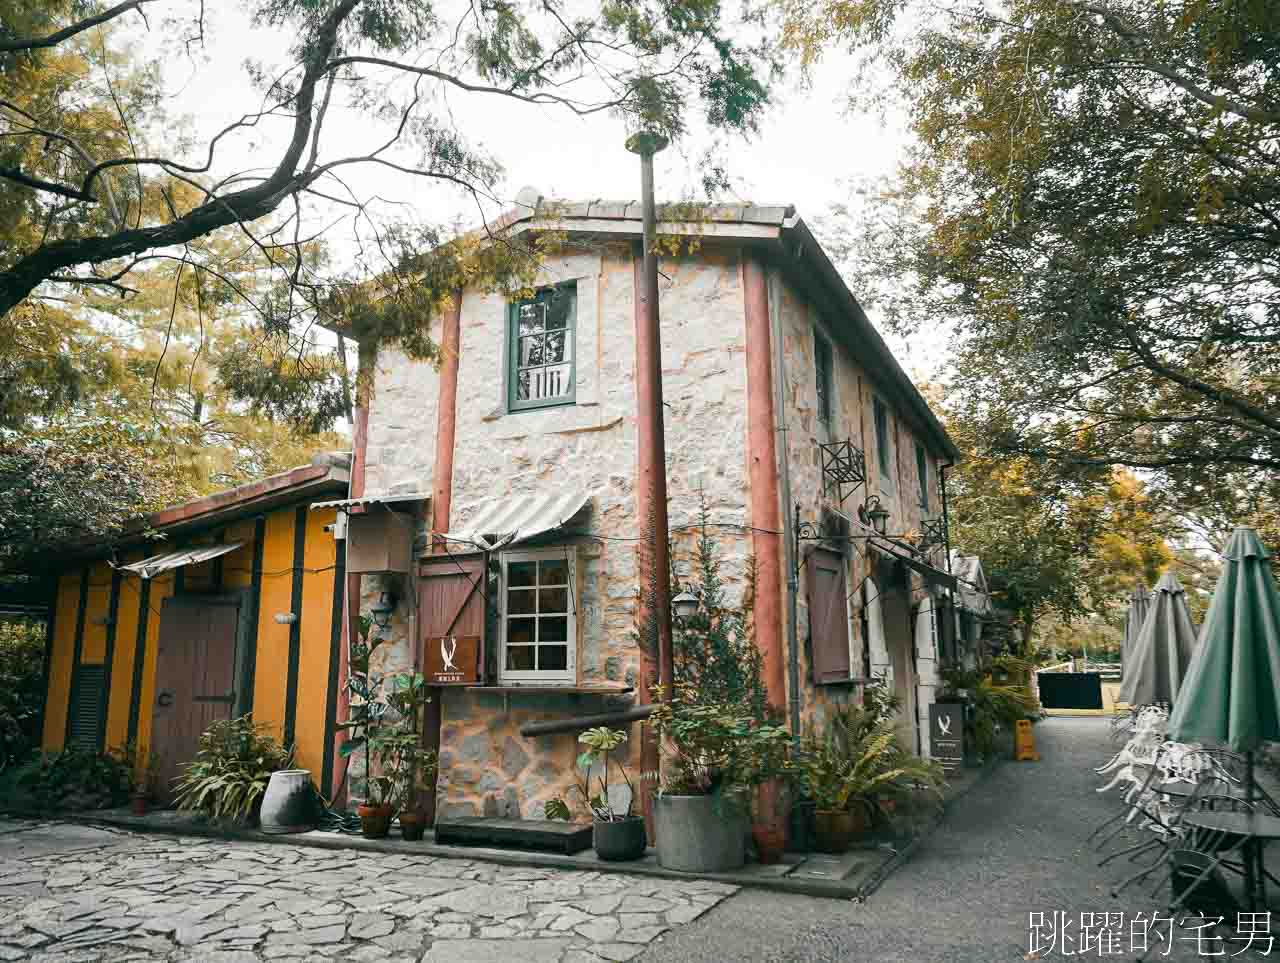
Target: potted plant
[[709, 753], [369, 708], [616, 832], [142, 779], [398, 746], [230, 772], [850, 767]]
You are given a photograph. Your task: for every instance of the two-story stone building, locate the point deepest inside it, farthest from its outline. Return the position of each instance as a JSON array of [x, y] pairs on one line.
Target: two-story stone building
[[519, 452]]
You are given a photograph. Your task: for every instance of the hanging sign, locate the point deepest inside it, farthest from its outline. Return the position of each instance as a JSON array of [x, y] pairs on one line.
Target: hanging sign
[[946, 734], [452, 660]]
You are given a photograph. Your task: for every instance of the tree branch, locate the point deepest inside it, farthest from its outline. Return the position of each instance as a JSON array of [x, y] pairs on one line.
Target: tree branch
[[37, 43]]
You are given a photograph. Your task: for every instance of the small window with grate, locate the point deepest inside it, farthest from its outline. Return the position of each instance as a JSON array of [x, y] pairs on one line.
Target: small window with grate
[[822, 372], [540, 349]]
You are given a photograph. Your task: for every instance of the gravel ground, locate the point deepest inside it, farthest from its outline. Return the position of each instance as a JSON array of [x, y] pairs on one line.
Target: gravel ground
[[1012, 846]]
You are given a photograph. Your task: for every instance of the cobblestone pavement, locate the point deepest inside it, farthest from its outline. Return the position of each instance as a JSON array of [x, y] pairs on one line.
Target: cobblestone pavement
[[71, 893]]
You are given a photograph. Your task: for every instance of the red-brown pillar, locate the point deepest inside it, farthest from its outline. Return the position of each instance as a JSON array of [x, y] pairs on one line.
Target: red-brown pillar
[[766, 513], [442, 497]]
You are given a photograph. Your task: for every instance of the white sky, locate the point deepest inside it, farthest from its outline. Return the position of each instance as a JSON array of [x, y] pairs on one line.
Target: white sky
[[808, 149]]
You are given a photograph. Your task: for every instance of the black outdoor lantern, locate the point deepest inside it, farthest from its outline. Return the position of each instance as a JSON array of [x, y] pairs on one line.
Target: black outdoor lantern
[[382, 610], [685, 604], [874, 514]]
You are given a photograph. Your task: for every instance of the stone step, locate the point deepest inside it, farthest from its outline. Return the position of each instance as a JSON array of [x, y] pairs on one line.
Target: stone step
[[542, 834]]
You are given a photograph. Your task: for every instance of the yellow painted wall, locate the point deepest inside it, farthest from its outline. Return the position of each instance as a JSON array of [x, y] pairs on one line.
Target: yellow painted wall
[[271, 674], [64, 635], [273, 638], [316, 639]]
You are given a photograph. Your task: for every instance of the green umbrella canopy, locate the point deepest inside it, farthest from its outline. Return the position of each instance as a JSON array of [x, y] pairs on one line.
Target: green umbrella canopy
[[1231, 694], [1134, 619], [1162, 650]]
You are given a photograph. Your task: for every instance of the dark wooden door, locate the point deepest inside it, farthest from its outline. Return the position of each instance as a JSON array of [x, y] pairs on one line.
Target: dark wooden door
[[195, 679]]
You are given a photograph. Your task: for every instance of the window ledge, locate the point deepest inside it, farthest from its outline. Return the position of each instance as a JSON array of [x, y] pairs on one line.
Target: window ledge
[[536, 688]]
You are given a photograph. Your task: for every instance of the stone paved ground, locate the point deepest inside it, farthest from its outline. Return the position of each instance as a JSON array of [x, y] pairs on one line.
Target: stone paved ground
[[70, 893]]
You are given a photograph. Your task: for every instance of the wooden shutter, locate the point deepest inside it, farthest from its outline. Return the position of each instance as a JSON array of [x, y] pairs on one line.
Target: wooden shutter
[[828, 616], [451, 604], [89, 688]]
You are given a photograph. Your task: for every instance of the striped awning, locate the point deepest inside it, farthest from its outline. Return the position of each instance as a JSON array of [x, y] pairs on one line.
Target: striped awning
[[498, 522], [153, 566]]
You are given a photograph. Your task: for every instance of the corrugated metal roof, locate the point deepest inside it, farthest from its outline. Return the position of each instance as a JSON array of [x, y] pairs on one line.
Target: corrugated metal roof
[[505, 521], [153, 566], [383, 499]]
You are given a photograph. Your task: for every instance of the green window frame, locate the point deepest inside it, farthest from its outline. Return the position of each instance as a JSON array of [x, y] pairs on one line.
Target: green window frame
[[541, 368], [922, 470], [822, 375]]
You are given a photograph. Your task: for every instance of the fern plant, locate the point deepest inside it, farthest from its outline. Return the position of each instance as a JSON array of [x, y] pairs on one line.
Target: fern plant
[[230, 772]]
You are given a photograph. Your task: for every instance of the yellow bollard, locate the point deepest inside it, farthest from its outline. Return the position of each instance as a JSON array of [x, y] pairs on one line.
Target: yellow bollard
[[1024, 742]]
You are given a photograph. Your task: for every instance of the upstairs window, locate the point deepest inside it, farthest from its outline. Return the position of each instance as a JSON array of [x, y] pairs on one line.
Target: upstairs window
[[884, 444], [540, 349], [922, 471], [822, 372]]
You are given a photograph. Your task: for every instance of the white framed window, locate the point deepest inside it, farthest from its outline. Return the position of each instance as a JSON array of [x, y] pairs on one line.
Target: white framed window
[[539, 617]]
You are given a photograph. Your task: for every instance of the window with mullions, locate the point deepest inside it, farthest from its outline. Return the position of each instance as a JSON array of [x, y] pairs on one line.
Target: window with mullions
[[884, 444], [922, 472], [539, 623], [540, 349]]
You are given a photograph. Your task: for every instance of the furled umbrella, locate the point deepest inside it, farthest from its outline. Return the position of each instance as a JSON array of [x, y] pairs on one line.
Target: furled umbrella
[[1133, 621], [1162, 650], [1231, 694]]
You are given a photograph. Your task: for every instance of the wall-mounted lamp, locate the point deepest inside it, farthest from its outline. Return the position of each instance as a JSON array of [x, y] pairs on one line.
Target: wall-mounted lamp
[[382, 609], [872, 513], [685, 604], [285, 618]]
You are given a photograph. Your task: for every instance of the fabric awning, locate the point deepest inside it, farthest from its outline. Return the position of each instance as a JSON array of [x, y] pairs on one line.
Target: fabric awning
[[153, 566], [933, 576], [497, 522], [383, 499]]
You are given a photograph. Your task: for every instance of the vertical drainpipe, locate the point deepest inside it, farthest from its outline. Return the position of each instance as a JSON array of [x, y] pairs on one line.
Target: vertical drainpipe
[[441, 500], [762, 464], [788, 527]]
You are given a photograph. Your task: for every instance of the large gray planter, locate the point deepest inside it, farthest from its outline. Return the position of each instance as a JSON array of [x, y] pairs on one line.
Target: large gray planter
[[701, 834], [289, 804]]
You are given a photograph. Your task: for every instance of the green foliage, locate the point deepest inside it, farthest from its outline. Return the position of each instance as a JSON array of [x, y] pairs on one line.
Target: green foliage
[[992, 704], [856, 761], [228, 776], [1091, 210], [714, 652], [714, 748], [77, 779], [600, 742], [385, 723], [21, 689]]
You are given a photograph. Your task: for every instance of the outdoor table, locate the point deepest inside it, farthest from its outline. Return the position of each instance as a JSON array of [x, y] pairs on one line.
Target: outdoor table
[[1257, 829]]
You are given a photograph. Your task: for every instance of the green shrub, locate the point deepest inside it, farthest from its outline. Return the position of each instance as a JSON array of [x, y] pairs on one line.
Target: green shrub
[[77, 779], [21, 689], [231, 770]]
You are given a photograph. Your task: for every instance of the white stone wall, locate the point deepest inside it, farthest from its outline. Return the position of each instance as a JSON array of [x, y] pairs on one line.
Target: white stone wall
[[591, 446]]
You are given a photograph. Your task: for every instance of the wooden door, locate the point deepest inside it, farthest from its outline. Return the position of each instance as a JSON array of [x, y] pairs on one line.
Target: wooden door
[[899, 637], [195, 679]]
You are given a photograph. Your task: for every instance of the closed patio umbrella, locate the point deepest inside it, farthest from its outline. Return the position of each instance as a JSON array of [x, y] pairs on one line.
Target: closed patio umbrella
[[1162, 651], [1231, 694], [1133, 620]]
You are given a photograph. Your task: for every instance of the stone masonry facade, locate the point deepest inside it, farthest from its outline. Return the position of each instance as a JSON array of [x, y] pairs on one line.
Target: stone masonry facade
[[590, 445]]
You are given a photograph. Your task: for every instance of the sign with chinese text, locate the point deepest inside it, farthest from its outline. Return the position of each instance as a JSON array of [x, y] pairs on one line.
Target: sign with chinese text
[[946, 734], [452, 660]]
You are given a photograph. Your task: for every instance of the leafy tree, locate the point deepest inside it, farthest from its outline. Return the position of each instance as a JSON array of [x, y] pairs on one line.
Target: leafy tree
[[1092, 204], [21, 689], [97, 203]]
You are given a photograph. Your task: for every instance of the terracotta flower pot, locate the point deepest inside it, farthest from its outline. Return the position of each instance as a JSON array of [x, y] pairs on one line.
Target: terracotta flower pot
[[375, 821], [769, 840], [835, 829], [413, 825], [138, 804]]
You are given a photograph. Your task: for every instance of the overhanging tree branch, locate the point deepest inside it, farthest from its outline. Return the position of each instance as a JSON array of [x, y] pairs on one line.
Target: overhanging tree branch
[[66, 33]]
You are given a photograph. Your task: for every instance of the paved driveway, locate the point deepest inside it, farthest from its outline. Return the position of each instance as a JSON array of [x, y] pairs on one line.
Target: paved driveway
[[71, 893], [1012, 846]]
